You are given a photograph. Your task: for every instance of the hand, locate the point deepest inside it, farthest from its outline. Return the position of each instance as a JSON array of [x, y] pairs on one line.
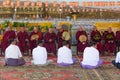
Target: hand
[[26, 40], [50, 40], [63, 38]]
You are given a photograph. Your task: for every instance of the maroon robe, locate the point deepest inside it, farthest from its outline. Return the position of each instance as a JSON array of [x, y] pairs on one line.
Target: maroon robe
[[118, 38], [81, 45], [7, 36], [22, 37], [60, 40], [96, 37], [109, 39], [50, 46], [33, 42]]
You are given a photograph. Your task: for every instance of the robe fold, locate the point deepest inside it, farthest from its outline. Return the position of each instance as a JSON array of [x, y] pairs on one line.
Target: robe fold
[[109, 39], [81, 45], [22, 43], [50, 45], [60, 40], [96, 37], [6, 37], [33, 41], [118, 38]]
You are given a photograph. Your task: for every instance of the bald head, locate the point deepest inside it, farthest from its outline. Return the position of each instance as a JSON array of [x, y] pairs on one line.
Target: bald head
[[109, 29], [22, 29], [80, 28], [50, 30], [35, 29]]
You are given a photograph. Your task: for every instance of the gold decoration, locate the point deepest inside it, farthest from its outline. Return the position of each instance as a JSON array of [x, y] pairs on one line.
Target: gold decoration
[[66, 35], [96, 37], [109, 36], [1, 36], [33, 37], [82, 38]]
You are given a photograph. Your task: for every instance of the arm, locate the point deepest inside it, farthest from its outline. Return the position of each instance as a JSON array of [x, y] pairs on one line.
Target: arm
[[19, 53]]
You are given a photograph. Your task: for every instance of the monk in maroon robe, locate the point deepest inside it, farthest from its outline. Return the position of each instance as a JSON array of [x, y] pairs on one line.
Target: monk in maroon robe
[[60, 37], [23, 38], [34, 37], [10, 34], [96, 37], [81, 45], [49, 41], [118, 39], [109, 39]]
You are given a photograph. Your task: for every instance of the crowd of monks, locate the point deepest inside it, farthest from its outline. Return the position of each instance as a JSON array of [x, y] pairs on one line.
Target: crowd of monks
[[107, 41]]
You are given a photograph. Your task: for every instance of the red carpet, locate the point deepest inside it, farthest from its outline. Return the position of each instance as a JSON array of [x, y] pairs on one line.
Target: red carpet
[[53, 72]]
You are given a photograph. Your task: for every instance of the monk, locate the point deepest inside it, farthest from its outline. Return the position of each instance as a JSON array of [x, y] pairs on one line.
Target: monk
[[118, 39], [49, 41], [59, 37], [9, 34], [81, 45], [34, 37], [109, 38], [22, 38], [96, 37]]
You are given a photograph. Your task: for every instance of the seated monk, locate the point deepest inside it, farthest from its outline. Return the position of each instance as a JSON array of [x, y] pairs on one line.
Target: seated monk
[[109, 39], [49, 39], [97, 37], [35, 35], [83, 43]]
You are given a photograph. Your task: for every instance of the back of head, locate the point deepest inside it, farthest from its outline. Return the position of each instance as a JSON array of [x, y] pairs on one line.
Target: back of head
[[65, 43], [11, 40], [93, 43], [39, 42]]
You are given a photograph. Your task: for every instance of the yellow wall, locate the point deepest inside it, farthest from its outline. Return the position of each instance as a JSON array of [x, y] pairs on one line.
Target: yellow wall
[[102, 26]]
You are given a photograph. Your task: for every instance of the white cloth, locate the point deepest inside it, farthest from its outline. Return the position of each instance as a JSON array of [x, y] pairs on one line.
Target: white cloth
[[12, 51], [117, 60], [90, 56], [64, 55], [39, 55]]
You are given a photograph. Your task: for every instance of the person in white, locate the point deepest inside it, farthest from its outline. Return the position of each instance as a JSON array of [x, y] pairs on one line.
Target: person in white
[[91, 58], [13, 56], [64, 55], [39, 55], [116, 62]]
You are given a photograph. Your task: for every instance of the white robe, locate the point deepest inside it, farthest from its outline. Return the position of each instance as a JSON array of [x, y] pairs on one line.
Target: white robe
[[64, 55], [39, 55], [12, 51], [90, 56], [117, 60]]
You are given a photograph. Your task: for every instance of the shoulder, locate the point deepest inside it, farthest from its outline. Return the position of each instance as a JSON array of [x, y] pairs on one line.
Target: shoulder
[[43, 48], [118, 53], [60, 48], [16, 46], [35, 49], [87, 48]]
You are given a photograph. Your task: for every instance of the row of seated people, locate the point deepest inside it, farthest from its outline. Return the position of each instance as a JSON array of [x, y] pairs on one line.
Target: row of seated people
[[106, 41], [91, 59]]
